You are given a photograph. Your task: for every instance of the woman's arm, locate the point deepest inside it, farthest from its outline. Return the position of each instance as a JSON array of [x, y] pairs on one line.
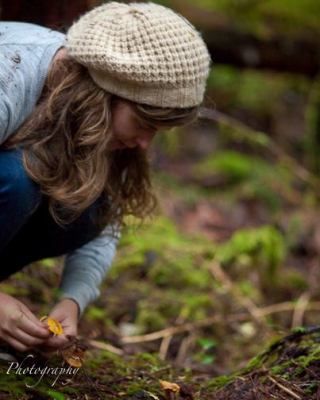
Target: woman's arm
[[83, 272], [86, 267]]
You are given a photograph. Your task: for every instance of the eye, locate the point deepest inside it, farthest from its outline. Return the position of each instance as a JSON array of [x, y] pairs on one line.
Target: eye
[[148, 129], [146, 126]]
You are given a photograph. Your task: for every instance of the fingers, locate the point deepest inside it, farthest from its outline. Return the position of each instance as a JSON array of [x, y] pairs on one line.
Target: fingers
[[22, 341], [61, 341], [22, 319], [18, 339], [33, 328], [55, 343], [19, 327], [17, 345], [66, 312]]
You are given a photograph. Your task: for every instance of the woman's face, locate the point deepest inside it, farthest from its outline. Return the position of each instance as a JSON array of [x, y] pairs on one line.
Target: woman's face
[[127, 131]]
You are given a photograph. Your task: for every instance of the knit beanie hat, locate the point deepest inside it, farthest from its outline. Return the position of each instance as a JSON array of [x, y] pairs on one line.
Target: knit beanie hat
[[142, 52]]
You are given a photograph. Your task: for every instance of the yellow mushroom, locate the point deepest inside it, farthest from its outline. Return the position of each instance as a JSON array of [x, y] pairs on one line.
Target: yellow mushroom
[[53, 325], [73, 357], [173, 387]]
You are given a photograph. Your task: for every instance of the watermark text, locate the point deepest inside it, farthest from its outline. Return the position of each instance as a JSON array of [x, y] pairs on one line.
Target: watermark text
[[40, 372]]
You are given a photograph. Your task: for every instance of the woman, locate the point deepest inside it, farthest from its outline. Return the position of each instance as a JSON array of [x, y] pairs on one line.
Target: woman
[[77, 114]]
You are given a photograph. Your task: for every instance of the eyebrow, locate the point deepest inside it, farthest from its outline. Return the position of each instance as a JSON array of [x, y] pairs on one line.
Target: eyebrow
[[147, 125]]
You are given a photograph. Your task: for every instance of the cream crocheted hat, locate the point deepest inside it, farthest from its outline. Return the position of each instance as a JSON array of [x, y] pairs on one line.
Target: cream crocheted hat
[[142, 52]]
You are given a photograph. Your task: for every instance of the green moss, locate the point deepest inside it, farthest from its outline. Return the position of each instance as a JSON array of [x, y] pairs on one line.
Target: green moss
[[56, 395], [219, 381], [311, 388]]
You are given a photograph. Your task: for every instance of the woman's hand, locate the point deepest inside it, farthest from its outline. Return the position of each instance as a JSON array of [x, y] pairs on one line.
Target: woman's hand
[[66, 312], [19, 327]]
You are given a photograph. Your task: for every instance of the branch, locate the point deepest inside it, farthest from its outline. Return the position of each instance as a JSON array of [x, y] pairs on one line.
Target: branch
[[299, 171]]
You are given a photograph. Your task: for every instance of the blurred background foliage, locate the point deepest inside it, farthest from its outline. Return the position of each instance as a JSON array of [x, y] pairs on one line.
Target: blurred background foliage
[[266, 17], [239, 194]]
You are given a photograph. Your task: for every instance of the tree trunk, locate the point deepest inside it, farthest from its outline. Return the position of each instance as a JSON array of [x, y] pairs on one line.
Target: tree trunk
[[284, 54], [57, 15]]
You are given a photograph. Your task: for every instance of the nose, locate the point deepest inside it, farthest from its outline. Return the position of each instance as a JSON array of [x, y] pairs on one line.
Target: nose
[[144, 141]]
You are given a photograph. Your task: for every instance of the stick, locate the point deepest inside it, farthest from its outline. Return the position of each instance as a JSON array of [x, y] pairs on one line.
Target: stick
[[284, 388], [103, 346]]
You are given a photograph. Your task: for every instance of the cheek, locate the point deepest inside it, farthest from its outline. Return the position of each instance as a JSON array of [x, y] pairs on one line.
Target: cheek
[[123, 126], [121, 129]]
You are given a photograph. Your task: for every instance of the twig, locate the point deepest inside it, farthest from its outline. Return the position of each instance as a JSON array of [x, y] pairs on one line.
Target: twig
[[276, 308], [302, 173], [257, 389], [149, 337], [287, 306], [103, 346], [164, 347], [93, 385], [223, 277], [299, 311], [285, 389], [310, 372], [183, 349], [318, 393], [262, 312]]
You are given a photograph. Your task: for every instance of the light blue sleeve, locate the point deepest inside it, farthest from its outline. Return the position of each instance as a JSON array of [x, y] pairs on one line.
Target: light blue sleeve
[[26, 52], [86, 267], [16, 97], [5, 111]]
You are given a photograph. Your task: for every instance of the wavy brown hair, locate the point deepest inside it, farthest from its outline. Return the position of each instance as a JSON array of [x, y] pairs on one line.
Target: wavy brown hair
[[65, 148]]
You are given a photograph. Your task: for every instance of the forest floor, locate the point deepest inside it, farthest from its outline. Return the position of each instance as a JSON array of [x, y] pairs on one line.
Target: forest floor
[[190, 310]]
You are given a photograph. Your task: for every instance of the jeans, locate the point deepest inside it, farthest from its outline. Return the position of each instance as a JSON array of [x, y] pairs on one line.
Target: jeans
[[28, 233]]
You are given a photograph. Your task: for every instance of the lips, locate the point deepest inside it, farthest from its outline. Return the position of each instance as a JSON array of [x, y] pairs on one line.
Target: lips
[[127, 145], [120, 145]]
